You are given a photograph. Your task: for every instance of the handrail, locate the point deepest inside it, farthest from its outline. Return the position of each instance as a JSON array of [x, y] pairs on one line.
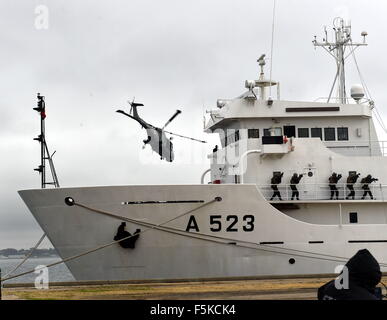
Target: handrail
[[374, 145], [241, 163], [203, 175], [338, 100], [357, 141], [322, 191]]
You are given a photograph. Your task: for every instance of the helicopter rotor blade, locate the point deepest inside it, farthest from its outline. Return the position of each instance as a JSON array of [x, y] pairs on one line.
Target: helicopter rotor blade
[[134, 104], [131, 105], [171, 119], [185, 137], [124, 113], [131, 102]]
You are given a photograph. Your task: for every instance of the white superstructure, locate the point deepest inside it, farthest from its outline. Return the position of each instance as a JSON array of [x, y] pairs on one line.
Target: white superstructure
[[230, 227]]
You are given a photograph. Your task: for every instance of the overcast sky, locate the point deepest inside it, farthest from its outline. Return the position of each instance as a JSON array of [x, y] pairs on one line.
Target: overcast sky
[[170, 54]]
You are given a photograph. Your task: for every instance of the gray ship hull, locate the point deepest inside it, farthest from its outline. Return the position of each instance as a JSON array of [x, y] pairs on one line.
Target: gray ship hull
[[242, 235]]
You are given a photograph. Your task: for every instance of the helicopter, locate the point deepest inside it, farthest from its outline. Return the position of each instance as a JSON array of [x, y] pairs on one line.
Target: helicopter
[[157, 138]]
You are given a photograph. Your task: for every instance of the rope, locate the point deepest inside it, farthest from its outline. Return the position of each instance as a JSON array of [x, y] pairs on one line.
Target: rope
[[56, 184], [113, 242], [200, 236], [360, 75], [368, 93], [27, 256], [181, 136], [272, 43]]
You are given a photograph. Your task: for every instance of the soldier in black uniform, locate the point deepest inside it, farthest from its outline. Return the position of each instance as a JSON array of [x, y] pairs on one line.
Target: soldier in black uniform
[[275, 181], [351, 180], [130, 240], [366, 181], [333, 179], [293, 182]]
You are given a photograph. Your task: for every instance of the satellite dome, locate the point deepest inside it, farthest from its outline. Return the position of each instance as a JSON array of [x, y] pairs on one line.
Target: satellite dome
[[220, 103], [357, 92]]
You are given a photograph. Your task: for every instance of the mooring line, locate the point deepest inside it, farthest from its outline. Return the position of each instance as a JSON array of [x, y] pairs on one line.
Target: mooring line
[[216, 199], [197, 235], [27, 256], [200, 236]]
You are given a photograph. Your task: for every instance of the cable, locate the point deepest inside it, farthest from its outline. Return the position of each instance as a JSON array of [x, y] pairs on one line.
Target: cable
[[110, 243], [200, 236], [368, 93], [196, 234], [384, 295], [27, 256], [272, 43], [56, 184]]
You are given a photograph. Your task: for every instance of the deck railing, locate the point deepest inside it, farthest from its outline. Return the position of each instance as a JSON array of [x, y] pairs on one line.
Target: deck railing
[[366, 148], [322, 191]]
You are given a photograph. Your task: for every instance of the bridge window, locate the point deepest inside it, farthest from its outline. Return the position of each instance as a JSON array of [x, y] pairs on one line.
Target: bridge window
[[342, 134], [277, 131], [330, 134], [316, 133], [290, 131], [253, 133], [303, 132]]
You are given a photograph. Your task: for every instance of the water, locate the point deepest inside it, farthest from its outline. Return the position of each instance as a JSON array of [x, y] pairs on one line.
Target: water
[[56, 273]]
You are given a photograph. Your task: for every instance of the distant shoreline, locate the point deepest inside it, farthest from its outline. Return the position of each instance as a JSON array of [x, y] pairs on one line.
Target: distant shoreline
[[20, 258], [12, 253]]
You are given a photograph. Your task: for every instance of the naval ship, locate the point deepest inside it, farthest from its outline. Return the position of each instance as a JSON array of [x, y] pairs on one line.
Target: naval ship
[[248, 217]]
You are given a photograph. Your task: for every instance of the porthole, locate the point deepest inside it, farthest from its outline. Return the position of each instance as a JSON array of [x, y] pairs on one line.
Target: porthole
[[292, 261], [310, 174]]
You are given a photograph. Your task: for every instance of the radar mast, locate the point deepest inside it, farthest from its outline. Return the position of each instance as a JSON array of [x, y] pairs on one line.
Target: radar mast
[[337, 49]]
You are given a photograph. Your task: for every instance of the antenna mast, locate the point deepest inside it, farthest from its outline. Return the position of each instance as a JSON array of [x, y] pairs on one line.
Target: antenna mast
[[44, 152], [337, 49]]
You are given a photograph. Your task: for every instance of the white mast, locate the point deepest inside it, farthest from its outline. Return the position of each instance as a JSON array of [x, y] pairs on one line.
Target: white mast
[[342, 35]]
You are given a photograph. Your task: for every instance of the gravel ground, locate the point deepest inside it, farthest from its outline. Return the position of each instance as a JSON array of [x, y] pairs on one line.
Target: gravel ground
[[273, 289]]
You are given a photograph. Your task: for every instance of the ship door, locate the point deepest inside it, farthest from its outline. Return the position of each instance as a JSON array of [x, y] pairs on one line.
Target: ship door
[[290, 131]]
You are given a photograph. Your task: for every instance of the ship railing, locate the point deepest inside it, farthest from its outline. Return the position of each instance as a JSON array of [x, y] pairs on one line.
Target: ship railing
[[339, 100], [322, 192], [351, 147], [365, 148]]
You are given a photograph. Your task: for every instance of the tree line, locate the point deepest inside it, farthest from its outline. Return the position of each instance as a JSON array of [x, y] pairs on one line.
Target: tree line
[[38, 253]]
